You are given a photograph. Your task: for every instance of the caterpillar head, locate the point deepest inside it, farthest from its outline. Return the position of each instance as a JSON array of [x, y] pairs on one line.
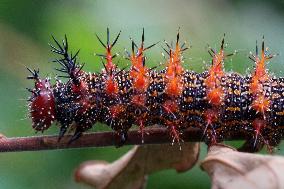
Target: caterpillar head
[[42, 102]]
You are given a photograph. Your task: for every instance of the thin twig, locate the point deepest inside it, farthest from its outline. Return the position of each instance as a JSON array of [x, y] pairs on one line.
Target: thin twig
[[96, 139]]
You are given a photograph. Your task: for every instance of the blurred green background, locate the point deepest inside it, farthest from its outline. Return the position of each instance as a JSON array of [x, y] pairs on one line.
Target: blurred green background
[[26, 28]]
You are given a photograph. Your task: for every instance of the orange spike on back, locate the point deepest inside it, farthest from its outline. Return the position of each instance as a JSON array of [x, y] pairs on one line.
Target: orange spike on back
[[110, 66], [217, 61], [111, 87], [260, 74], [174, 69], [140, 83], [215, 92], [138, 71], [137, 61], [261, 103], [174, 86], [174, 64]]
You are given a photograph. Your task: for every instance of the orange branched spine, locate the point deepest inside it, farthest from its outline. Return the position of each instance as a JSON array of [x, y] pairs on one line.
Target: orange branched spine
[[174, 69], [111, 86], [261, 103], [110, 66], [215, 93], [138, 70]]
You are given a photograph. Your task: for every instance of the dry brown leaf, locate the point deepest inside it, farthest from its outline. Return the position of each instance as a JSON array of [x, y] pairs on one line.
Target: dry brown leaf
[[229, 168], [131, 170]]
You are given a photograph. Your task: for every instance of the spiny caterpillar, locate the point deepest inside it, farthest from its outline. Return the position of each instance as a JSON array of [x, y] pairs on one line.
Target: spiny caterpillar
[[220, 104]]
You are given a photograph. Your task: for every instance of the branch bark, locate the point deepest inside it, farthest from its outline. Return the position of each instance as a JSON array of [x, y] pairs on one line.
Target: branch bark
[[156, 135]]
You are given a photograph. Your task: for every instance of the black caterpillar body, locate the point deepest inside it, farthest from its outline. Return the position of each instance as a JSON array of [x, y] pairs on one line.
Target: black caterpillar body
[[220, 104]]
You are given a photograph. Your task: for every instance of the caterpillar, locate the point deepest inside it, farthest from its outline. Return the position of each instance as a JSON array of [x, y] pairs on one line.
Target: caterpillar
[[221, 104]]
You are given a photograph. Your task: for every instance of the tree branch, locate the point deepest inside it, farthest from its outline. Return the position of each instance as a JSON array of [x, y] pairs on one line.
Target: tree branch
[[155, 135]]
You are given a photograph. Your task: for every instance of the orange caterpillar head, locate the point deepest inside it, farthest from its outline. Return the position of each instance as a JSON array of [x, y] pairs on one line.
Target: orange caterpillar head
[[108, 56]]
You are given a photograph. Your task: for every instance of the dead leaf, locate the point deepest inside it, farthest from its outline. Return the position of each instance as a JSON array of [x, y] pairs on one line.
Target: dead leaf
[[131, 170], [229, 168]]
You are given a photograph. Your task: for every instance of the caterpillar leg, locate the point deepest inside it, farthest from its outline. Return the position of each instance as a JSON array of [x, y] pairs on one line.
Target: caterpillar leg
[[257, 140], [251, 145], [77, 134], [62, 132], [122, 138]]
